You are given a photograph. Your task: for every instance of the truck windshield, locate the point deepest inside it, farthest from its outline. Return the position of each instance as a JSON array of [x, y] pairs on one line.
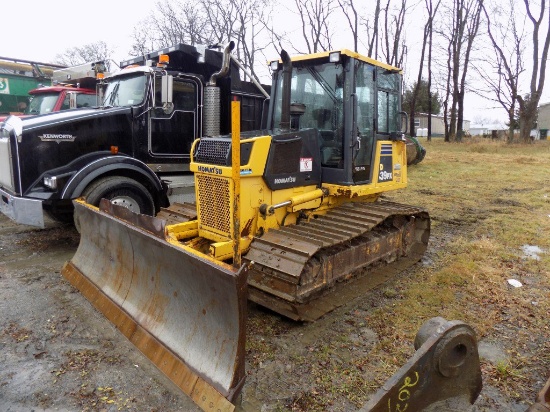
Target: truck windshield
[[42, 103], [125, 91]]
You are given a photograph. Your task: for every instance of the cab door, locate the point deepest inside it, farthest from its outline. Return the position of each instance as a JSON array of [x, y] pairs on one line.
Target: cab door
[[172, 133], [364, 115]]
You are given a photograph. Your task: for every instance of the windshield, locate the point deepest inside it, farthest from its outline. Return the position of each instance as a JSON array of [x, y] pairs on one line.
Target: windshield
[[42, 103], [320, 89], [125, 91]]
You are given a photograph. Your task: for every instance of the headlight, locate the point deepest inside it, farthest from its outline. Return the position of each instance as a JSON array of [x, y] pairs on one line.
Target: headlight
[[334, 57], [51, 182]]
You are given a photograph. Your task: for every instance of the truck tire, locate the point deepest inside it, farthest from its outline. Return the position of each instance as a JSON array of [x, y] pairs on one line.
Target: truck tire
[[121, 191]]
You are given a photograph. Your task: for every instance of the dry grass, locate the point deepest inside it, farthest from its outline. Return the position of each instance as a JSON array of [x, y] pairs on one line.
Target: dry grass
[[486, 200]]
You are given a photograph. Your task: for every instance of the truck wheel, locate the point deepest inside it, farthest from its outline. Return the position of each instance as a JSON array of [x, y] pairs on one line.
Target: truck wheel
[[121, 191]]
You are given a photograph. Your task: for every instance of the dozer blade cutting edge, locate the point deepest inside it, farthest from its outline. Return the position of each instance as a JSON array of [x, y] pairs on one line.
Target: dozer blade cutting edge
[[182, 310]]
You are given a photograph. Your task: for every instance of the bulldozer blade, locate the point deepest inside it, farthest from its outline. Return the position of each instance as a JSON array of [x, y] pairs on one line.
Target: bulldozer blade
[[182, 310]]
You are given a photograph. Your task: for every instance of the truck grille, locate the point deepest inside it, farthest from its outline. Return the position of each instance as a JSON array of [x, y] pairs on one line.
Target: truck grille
[[6, 164], [214, 204]]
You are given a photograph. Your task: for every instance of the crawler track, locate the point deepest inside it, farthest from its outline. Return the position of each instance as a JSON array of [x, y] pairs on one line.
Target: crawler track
[[295, 266]]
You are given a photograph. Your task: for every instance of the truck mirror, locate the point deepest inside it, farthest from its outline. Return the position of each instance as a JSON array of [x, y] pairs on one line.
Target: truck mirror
[[167, 85], [72, 100]]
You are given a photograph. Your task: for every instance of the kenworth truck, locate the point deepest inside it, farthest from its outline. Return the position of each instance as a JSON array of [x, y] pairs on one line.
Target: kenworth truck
[[131, 147]]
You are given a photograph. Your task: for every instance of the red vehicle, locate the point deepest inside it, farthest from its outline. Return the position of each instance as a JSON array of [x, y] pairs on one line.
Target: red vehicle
[[73, 87], [56, 98]]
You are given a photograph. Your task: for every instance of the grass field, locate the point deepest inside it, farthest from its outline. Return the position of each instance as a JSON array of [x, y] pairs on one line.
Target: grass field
[[490, 205]]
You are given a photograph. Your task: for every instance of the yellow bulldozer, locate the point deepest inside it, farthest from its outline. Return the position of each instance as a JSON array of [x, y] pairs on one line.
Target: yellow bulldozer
[[282, 217]]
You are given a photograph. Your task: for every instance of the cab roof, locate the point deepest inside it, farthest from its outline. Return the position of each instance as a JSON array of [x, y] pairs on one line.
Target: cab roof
[[345, 52]]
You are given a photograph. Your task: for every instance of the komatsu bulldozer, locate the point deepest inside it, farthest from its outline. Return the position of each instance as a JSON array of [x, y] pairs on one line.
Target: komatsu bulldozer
[[281, 217]]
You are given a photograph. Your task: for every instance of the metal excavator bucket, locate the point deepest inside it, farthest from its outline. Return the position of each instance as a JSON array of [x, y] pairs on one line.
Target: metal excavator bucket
[[444, 374], [182, 310]]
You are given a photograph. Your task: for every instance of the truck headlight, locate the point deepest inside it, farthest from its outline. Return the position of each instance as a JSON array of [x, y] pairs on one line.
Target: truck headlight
[[51, 182]]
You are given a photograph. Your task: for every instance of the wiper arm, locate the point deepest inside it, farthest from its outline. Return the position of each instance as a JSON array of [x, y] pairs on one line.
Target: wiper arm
[[110, 98], [324, 84]]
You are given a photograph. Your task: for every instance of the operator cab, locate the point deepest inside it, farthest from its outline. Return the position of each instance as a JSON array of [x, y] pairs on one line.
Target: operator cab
[[351, 100]]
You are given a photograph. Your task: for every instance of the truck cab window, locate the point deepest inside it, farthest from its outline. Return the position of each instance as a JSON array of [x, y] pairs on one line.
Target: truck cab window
[[42, 103], [86, 100], [125, 91]]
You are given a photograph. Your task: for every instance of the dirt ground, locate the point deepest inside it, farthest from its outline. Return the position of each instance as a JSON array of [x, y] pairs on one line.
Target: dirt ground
[[57, 353]]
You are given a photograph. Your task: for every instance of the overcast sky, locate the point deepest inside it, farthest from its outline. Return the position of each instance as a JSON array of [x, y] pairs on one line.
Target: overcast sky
[[39, 30]]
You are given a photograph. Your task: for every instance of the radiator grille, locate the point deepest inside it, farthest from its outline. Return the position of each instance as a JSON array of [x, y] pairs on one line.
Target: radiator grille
[[6, 169], [213, 151], [214, 200]]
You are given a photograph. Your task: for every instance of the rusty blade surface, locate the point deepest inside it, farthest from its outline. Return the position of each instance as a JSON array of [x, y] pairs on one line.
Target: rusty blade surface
[[186, 313], [444, 373]]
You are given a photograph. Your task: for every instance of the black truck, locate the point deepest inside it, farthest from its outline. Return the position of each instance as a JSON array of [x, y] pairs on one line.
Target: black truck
[[132, 147]]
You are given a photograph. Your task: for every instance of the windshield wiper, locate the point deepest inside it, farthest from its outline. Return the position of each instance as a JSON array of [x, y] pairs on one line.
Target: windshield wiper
[[111, 97], [324, 84]]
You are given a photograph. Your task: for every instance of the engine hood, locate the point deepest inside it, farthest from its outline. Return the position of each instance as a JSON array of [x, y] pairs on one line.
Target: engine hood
[[69, 116]]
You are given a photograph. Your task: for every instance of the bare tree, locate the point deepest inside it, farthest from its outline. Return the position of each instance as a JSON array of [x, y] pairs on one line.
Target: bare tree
[[393, 36], [315, 17], [204, 22], [431, 16], [88, 53], [506, 64], [374, 37], [528, 105], [426, 36], [353, 20], [464, 18], [171, 23]]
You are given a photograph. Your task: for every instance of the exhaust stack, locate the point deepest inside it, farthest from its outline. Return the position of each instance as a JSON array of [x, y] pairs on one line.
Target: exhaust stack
[[287, 78], [212, 95]]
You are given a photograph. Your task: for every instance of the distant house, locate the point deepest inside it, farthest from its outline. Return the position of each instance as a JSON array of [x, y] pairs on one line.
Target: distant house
[[487, 129], [544, 120], [494, 130], [438, 125]]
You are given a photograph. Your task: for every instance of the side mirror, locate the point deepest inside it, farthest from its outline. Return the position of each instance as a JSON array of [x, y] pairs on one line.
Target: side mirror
[[406, 121], [167, 93], [72, 100]]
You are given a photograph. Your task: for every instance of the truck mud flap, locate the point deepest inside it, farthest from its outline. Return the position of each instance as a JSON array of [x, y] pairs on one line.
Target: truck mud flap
[[182, 310]]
